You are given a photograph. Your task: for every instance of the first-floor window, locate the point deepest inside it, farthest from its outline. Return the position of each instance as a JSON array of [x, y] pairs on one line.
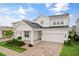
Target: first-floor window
[[26, 33], [2, 32], [42, 22], [65, 35]]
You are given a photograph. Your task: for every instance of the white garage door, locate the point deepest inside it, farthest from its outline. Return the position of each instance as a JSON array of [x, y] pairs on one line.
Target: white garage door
[[54, 37], [47, 36], [58, 37]]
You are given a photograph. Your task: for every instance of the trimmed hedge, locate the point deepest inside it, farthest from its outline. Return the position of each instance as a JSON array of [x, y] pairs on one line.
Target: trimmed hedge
[[68, 43], [16, 42], [76, 38]]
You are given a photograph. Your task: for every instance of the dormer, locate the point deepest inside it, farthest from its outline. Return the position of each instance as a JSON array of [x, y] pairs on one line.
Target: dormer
[[42, 20]]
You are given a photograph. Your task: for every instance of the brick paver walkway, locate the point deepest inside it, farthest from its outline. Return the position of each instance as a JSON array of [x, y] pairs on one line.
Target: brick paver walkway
[[43, 49]]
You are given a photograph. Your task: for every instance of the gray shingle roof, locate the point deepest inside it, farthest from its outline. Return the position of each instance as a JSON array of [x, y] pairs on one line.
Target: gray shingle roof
[[3, 27], [34, 25], [65, 26], [59, 15], [77, 20]]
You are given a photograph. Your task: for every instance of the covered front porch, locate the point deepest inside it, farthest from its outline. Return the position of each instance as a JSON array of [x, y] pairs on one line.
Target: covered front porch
[[31, 37]]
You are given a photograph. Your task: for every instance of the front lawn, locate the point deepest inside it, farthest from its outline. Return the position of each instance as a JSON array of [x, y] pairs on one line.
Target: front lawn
[[15, 48], [1, 54], [70, 50]]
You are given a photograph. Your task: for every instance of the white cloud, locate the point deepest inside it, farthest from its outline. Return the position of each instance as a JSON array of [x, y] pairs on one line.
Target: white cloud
[[4, 10], [48, 4], [5, 17], [59, 8], [6, 21], [22, 16], [70, 15], [22, 11], [30, 10]]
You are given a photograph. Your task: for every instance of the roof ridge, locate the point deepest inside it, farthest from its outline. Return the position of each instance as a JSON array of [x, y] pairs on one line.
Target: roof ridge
[[52, 15]]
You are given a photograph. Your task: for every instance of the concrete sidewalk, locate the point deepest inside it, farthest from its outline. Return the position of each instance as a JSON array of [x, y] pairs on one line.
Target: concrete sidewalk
[[8, 52], [4, 39]]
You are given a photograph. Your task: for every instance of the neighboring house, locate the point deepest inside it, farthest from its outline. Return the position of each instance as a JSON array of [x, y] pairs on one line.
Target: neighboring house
[[70, 28], [3, 28], [73, 28], [44, 28], [77, 27]]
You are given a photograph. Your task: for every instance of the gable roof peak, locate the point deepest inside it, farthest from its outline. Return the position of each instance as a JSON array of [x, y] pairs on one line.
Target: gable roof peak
[[32, 24], [42, 14]]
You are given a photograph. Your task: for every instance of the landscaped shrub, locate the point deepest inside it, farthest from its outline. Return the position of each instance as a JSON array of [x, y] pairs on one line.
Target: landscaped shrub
[[30, 45], [16, 42], [65, 42], [68, 42], [76, 38], [19, 38], [71, 38]]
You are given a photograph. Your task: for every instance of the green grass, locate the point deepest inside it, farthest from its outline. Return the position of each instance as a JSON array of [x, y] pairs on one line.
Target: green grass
[[15, 48], [70, 50], [1, 54]]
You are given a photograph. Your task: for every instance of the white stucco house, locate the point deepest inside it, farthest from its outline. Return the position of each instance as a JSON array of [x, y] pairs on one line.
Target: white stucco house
[[43, 28]]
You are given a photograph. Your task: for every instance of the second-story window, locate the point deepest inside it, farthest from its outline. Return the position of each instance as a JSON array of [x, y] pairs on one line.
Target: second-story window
[[62, 22], [42, 22], [14, 25], [54, 23], [58, 22]]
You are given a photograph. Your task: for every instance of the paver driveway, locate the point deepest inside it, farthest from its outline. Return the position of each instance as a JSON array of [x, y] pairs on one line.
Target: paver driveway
[[43, 49]]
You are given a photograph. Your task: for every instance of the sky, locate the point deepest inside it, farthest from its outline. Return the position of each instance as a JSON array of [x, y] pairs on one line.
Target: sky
[[11, 12]]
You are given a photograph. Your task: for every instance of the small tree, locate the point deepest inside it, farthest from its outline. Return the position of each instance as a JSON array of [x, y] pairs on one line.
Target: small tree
[[8, 33]]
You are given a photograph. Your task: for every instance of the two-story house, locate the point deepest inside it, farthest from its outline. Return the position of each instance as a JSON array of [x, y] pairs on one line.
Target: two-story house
[[43, 28]]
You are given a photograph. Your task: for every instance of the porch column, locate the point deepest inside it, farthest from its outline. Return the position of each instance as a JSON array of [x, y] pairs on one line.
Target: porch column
[[31, 37]]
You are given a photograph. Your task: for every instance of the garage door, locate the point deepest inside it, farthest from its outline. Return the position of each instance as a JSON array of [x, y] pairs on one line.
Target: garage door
[[47, 36], [58, 37], [54, 37]]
